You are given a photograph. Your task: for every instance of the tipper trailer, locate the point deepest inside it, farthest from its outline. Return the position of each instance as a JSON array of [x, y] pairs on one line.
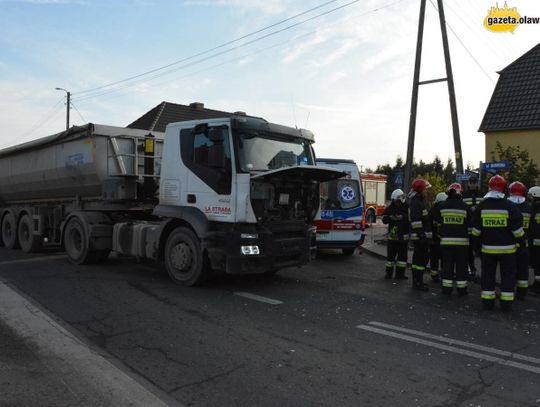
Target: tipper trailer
[[237, 194]]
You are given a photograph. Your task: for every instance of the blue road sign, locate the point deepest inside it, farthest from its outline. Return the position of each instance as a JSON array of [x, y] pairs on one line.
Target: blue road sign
[[398, 179], [463, 177], [497, 165]]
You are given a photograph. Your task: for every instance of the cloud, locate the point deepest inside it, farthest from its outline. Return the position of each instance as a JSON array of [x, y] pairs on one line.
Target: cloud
[[46, 2], [269, 7]]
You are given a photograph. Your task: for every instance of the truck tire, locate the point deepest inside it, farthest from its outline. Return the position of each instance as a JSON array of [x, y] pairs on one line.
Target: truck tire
[[76, 244], [184, 260], [29, 242], [9, 232], [348, 251]]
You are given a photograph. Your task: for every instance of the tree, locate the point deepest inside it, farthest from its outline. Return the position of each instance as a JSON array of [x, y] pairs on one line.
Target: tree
[[438, 184], [522, 167]]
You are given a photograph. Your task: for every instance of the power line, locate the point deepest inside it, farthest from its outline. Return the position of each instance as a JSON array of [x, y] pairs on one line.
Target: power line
[[474, 30], [77, 110], [225, 51], [128, 85], [44, 119], [209, 50], [465, 47], [229, 61]]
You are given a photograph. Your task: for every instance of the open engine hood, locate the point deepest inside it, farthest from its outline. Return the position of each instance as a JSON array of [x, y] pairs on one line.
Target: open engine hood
[[305, 172]]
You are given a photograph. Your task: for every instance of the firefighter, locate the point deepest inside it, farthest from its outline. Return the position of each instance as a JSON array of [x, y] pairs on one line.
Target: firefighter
[[420, 228], [497, 227], [534, 236], [518, 195], [435, 244], [472, 197], [397, 218], [454, 219]]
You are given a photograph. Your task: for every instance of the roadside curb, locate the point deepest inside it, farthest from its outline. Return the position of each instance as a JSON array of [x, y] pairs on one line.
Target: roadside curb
[[88, 372], [373, 253]]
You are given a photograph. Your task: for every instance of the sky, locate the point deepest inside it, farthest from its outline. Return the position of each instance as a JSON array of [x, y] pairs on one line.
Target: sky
[[345, 75]]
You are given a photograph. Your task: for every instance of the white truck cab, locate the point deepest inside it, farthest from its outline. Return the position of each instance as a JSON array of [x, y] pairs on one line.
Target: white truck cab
[[248, 188]]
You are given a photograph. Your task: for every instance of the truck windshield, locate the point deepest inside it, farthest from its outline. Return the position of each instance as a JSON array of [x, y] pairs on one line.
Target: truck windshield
[[270, 152], [340, 194]]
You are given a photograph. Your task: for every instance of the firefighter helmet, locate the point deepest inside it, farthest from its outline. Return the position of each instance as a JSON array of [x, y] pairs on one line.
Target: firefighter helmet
[[497, 183], [535, 192], [441, 196], [419, 185], [456, 186], [397, 194], [518, 188]]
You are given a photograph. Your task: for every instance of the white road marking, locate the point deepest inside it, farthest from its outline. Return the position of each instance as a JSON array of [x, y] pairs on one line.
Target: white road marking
[[33, 259], [451, 341], [453, 349], [259, 298]]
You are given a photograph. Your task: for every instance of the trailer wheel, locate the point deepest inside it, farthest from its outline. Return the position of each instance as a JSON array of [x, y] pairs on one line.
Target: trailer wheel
[[184, 260], [76, 243], [348, 251], [29, 243], [9, 232]]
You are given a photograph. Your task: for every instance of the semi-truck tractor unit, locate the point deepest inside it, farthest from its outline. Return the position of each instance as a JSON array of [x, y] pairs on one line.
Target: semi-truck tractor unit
[[237, 195]]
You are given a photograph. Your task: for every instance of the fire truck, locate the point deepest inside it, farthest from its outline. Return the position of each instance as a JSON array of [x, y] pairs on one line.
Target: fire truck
[[374, 186]]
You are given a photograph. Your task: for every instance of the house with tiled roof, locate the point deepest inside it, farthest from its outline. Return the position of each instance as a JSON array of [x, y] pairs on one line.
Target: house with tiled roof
[[513, 113], [157, 118]]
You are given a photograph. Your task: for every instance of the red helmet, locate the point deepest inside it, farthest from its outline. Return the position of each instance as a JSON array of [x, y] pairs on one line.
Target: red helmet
[[419, 185], [518, 188], [456, 186], [497, 183]]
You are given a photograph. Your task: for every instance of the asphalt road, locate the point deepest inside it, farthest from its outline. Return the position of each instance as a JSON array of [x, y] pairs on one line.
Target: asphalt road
[[334, 333]]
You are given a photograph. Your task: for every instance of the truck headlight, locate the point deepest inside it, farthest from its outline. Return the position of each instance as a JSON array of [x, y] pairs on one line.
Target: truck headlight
[[249, 250]]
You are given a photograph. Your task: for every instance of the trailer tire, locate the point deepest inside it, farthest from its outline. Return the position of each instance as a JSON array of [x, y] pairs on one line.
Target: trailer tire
[[76, 243], [29, 242], [348, 251], [184, 259], [9, 231]]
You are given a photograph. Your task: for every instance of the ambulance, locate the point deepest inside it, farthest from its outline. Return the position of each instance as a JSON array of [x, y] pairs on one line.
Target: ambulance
[[339, 221]]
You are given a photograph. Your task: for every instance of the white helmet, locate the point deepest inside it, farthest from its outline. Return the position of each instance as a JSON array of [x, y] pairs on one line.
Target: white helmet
[[441, 196], [397, 194], [534, 192]]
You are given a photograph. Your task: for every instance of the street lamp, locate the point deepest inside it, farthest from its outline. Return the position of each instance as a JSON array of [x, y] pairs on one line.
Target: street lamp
[[67, 105]]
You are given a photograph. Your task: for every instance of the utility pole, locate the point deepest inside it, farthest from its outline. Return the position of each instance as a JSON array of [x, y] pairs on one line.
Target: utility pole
[[416, 83], [68, 105]]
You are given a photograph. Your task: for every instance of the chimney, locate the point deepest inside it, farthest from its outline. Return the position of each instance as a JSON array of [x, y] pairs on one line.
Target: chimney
[[197, 105]]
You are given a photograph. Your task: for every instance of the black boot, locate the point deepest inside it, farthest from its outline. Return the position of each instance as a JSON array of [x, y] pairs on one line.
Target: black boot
[[488, 304], [388, 274], [418, 281], [506, 306], [400, 274], [435, 276], [536, 287], [521, 293], [462, 291], [447, 290]]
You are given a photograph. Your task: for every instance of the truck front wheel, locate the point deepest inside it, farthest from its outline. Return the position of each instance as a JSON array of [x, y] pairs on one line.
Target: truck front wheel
[[9, 232], [184, 259], [29, 242]]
